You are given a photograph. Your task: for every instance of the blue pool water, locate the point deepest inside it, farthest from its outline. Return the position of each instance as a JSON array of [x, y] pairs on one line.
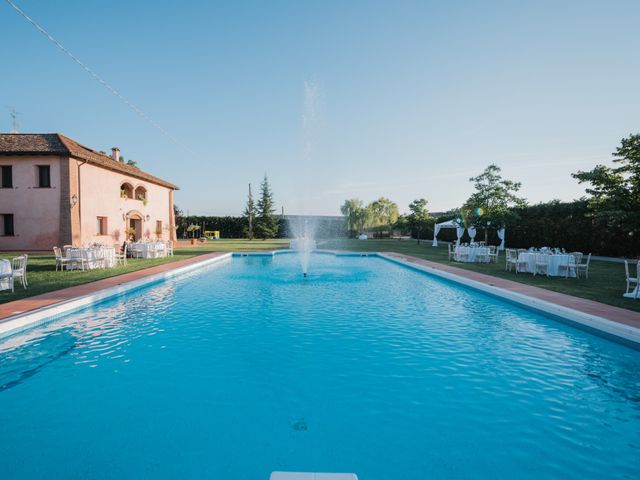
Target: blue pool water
[[234, 371]]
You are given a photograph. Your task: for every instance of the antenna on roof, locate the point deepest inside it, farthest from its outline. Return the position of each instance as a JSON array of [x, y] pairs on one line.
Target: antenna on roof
[[13, 113]]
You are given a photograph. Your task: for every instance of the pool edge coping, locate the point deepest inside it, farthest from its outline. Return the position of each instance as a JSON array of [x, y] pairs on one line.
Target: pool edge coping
[[19, 322], [628, 333], [613, 328]]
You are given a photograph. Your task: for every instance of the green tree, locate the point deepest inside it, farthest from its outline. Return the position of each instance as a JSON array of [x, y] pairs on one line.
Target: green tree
[[362, 219], [615, 191], [419, 218], [266, 223], [350, 209], [178, 217], [250, 214], [131, 163], [384, 213], [402, 224], [493, 201]]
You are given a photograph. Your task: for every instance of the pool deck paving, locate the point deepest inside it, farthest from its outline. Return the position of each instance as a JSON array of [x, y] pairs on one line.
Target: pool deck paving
[[616, 314], [50, 298]]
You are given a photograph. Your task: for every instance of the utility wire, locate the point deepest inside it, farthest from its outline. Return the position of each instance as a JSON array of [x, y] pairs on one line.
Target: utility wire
[[98, 78]]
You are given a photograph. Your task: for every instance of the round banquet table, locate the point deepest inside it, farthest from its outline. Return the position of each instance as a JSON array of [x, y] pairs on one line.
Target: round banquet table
[[555, 260], [472, 254]]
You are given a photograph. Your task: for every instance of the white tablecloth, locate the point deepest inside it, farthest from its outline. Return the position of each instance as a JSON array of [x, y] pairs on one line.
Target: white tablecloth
[[94, 257], [148, 250], [5, 267], [555, 260], [472, 254]]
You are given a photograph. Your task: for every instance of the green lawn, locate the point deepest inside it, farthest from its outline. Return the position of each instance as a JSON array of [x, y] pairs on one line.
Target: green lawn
[[606, 281], [43, 278]]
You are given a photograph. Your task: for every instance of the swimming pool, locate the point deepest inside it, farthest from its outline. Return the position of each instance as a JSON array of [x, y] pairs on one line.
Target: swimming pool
[[237, 370]]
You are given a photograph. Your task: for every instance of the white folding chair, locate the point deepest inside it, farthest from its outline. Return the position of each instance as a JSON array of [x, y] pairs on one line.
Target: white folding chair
[[542, 264], [511, 257], [19, 269], [461, 254], [568, 264], [8, 277], [583, 267], [578, 256], [631, 281], [452, 252], [493, 253], [61, 259], [122, 257], [78, 259]]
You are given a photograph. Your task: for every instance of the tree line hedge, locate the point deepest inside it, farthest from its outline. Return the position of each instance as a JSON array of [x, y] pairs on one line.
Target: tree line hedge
[[237, 227], [567, 225]]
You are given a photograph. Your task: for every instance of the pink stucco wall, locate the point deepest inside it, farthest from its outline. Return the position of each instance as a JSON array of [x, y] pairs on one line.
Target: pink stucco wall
[[100, 197], [36, 211]]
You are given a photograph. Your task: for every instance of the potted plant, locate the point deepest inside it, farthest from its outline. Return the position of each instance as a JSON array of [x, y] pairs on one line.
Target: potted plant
[[131, 233]]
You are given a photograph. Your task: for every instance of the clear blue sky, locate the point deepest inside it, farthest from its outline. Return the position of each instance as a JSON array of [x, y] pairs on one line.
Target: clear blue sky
[[413, 97]]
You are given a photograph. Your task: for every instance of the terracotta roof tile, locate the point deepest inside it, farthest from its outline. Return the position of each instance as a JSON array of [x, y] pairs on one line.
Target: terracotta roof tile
[[42, 143], [57, 144]]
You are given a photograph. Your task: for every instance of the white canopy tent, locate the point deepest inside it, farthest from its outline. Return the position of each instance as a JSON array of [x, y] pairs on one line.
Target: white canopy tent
[[460, 231], [448, 224]]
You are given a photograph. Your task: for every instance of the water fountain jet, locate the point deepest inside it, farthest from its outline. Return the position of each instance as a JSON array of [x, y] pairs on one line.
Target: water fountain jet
[[303, 232]]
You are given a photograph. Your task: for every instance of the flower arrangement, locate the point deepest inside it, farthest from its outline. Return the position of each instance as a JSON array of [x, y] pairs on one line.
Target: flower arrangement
[[131, 232]]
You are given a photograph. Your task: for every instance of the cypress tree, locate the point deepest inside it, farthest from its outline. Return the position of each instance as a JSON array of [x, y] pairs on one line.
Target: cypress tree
[[266, 225], [250, 214]]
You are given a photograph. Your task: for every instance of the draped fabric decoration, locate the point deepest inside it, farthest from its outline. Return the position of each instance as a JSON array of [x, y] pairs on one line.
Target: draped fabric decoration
[[436, 230], [448, 224], [472, 233], [459, 233], [501, 232]]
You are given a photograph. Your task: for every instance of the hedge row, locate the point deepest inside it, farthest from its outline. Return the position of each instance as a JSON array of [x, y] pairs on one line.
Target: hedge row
[[567, 225], [237, 227]]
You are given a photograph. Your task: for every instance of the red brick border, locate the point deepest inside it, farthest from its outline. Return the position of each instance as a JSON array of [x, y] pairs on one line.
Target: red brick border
[[616, 314], [46, 299]]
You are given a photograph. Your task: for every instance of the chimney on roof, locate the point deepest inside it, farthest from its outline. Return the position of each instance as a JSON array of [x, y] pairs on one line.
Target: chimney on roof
[[115, 154]]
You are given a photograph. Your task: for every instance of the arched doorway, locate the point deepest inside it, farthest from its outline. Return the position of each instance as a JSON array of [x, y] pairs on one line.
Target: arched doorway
[[134, 225]]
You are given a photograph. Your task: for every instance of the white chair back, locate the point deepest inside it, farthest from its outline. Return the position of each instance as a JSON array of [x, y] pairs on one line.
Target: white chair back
[[19, 264], [626, 270]]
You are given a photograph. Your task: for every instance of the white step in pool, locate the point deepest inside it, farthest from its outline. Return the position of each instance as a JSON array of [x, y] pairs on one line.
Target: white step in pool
[[312, 476]]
